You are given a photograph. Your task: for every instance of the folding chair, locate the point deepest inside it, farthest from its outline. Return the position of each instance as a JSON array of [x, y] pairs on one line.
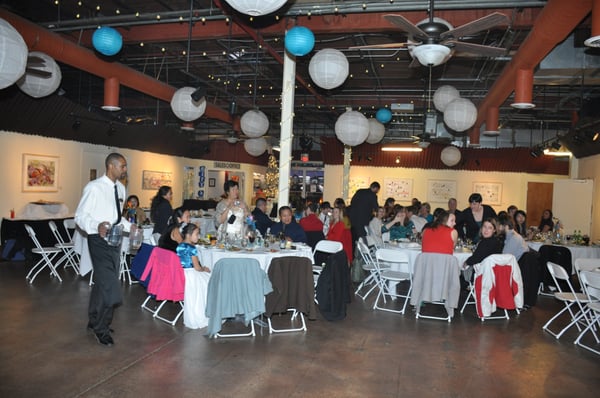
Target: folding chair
[[167, 283], [498, 284], [293, 291], [558, 255], [436, 280], [573, 301], [399, 271], [370, 267], [69, 256], [590, 281], [48, 255], [326, 247], [237, 287], [69, 225]]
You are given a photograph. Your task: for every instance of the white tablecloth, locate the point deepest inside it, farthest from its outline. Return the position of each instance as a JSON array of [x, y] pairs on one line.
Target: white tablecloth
[[576, 251], [413, 252], [206, 224], [209, 256], [37, 211]]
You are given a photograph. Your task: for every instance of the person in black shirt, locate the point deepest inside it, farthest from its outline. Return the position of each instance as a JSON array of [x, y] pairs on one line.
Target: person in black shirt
[[262, 220]]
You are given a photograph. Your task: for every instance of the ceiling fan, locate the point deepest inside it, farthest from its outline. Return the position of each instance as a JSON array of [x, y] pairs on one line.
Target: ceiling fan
[[433, 41]]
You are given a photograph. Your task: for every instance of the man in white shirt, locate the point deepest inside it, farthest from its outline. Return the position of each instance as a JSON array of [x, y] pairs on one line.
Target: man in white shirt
[[101, 206]]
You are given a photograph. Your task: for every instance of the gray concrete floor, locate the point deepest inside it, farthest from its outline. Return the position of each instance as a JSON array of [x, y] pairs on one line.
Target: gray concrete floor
[[45, 351]]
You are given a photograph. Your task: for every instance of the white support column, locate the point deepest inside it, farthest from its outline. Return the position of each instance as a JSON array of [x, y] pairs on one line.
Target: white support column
[[346, 173], [287, 126]]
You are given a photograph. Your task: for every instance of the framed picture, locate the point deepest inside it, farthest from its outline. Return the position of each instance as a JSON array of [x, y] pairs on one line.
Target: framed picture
[[156, 179], [212, 182], [491, 192], [440, 190], [398, 188], [40, 173]]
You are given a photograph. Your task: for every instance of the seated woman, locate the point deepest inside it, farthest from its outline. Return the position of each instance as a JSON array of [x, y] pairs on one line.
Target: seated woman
[[288, 227], [340, 232], [521, 223], [546, 223], [399, 227], [388, 208], [489, 242], [376, 223], [133, 212], [172, 236], [196, 279], [425, 212], [440, 236]]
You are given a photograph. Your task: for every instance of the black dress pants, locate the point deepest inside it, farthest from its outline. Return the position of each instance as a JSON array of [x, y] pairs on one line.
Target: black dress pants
[[106, 290]]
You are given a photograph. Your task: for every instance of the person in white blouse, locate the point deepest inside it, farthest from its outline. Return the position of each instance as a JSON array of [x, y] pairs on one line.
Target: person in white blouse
[[100, 207]]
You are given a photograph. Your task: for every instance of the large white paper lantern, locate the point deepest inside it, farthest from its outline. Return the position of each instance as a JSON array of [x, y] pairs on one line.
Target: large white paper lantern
[[460, 114], [13, 54], [256, 7], [39, 86], [254, 123], [376, 131], [443, 96], [329, 68], [256, 146], [184, 107], [450, 156], [352, 128]]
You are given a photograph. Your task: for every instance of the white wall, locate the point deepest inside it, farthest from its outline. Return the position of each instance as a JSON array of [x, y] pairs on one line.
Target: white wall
[[75, 161], [590, 168]]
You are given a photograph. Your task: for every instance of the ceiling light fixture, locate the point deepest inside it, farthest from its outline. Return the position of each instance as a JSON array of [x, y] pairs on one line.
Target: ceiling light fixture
[[596, 136], [400, 149], [198, 93], [557, 153], [431, 54]]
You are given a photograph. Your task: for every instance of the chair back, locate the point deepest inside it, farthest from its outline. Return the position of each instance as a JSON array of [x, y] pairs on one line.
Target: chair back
[[436, 279], [31, 234], [139, 262], [558, 273], [328, 246], [503, 273], [166, 276], [590, 281], [365, 252], [293, 286], [391, 256], [70, 225], [558, 255], [55, 232], [314, 237]]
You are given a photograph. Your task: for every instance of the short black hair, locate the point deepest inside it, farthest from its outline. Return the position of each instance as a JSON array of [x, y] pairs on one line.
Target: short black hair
[[375, 184], [260, 201], [230, 184], [475, 197]]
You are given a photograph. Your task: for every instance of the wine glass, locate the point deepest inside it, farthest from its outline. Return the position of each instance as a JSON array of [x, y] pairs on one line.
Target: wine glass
[[251, 237]]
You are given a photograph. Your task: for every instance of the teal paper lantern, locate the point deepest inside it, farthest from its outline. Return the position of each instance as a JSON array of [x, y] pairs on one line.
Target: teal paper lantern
[[383, 115], [107, 41], [299, 41]]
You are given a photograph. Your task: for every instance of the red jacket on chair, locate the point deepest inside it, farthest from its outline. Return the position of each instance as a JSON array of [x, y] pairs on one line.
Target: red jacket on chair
[[498, 283]]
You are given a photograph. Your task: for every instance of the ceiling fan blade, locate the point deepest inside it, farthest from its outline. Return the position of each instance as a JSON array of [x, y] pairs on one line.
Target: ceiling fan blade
[[38, 72], [406, 26], [478, 25], [478, 49], [376, 46]]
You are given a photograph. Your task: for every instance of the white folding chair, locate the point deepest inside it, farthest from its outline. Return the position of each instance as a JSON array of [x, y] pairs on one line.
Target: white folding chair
[[399, 272], [69, 257], [370, 267], [485, 277], [48, 255], [573, 301], [590, 281], [69, 225], [324, 246]]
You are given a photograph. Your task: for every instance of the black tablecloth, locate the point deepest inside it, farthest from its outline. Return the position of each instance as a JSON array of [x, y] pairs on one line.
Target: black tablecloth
[[15, 229]]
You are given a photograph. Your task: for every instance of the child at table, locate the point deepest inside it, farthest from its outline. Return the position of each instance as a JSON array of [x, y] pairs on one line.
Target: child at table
[[196, 279], [187, 251]]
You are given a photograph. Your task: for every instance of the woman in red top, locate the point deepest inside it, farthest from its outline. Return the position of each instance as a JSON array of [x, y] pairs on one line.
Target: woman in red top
[[340, 232], [441, 236]]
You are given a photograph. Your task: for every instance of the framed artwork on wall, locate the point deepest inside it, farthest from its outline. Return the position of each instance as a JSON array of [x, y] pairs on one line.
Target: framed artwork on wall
[[155, 179], [40, 173], [440, 190], [491, 192]]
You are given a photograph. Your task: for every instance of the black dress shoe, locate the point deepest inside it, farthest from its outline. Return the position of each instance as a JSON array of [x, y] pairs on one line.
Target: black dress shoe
[[104, 339], [91, 328]]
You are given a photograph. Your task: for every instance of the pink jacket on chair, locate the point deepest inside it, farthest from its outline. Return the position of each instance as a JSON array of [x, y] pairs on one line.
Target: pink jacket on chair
[[167, 280]]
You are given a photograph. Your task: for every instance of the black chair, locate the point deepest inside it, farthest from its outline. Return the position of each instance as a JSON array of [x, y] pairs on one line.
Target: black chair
[[333, 290], [531, 272], [558, 255], [313, 237]]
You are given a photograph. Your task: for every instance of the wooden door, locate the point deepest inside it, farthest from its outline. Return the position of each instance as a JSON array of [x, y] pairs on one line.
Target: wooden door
[[539, 197]]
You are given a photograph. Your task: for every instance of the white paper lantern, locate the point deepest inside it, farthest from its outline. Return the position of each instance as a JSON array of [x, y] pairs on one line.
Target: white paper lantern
[[329, 68], [376, 131], [184, 107], [450, 156], [352, 128], [443, 96], [256, 7], [460, 114], [13, 54], [254, 123], [39, 86], [255, 146]]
